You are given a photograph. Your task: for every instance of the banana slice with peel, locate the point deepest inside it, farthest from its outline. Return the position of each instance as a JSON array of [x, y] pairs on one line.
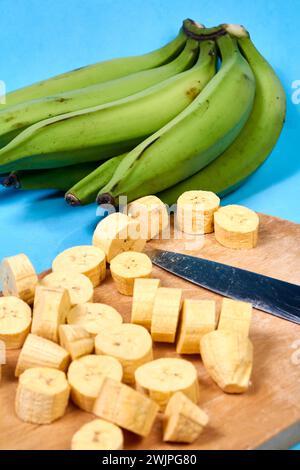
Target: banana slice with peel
[[195, 212], [40, 352], [50, 309], [94, 317], [87, 260], [152, 215], [79, 286], [128, 266], [130, 344], [228, 359], [198, 318], [125, 407], [117, 233], [75, 340], [165, 316], [161, 378], [15, 321], [42, 395], [18, 278], [235, 316], [98, 435], [236, 227], [144, 292], [183, 420], [86, 376]]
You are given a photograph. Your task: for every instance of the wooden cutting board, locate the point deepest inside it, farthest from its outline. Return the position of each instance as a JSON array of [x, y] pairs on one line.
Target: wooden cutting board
[[267, 416]]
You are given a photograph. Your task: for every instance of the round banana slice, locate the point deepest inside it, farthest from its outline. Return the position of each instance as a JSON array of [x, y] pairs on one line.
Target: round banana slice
[[87, 260], [18, 278], [161, 378], [94, 318], [126, 267], [75, 340], [152, 215], [130, 344], [86, 375], [236, 227], [42, 395], [195, 211], [117, 233], [79, 286], [15, 321], [98, 435]]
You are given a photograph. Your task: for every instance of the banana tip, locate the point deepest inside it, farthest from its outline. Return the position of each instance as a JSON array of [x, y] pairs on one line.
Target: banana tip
[[105, 198], [72, 200], [11, 181]]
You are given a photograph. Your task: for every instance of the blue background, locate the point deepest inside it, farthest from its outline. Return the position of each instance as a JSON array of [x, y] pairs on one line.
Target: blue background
[[43, 38]]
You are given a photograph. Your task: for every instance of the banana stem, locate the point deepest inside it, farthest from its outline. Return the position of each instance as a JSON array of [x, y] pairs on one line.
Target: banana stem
[[193, 30]]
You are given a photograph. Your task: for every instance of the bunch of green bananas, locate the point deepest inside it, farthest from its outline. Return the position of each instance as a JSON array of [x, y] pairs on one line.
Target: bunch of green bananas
[[163, 123]]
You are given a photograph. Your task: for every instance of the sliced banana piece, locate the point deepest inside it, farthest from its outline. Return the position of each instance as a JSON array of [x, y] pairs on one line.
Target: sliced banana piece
[[50, 309], [42, 395], [161, 378], [15, 321], [129, 409], [75, 340], [183, 420], [152, 215], [117, 233], [198, 318], [144, 292], [40, 352], [165, 315], [98, 435], [228, 359], [79, 286], [87, 260], [236, 227], [18, 278], [94, 317], [235, 316], [128, 266], [130, 344], [195, 211], [86, 376]]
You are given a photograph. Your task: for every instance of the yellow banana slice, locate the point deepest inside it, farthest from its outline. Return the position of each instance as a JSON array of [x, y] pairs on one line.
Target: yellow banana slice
[[236, 227], [87, 260], [198, 318], [75, 340], [79, 286], [228, 359], [50, 310], [161, 378], [98, 435], [86, 376], [94, 318], [195, 211], [130, 344], [152, 215], [235, 316], [40, 352], [15, 321], [144, 292], [42, 395], [183, 420], [18, 278], [125, 407], [165, 316], [128, 266], [117, 233]]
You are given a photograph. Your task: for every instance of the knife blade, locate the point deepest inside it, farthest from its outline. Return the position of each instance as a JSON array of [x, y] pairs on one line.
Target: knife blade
[[268, 294]]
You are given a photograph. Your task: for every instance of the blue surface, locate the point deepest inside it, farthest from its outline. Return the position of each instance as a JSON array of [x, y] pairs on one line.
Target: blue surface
[[43, 38]]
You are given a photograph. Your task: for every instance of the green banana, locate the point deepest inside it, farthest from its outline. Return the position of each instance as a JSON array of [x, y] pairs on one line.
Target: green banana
[[86, 190], [17, 118], [257, 138], [195, 137], [98, 73], [107, 130]]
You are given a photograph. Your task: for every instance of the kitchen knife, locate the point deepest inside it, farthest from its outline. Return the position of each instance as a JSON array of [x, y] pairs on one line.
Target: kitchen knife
[[279, 298]]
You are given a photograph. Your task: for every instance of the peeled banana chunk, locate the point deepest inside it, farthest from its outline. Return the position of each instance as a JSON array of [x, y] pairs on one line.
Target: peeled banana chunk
[[165, 316], [94, 317], [75, 340], [15, 321], [195, 211], [79, 286], [235, 316], [152, 215], [98, 435], [236, 227], [128, 266], [144, 292], [18, 278]]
